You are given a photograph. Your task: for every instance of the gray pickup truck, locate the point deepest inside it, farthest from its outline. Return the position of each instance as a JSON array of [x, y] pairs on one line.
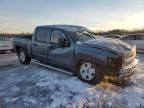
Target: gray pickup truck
[[76, 49]]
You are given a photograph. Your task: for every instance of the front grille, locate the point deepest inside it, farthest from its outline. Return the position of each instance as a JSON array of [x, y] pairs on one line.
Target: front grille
[[129, 58]]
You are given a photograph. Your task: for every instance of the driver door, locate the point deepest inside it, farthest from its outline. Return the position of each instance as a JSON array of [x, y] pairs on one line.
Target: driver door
[[60, 56]]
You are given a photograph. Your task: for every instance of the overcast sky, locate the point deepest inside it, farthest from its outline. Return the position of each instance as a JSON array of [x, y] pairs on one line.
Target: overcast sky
[[23, 15]]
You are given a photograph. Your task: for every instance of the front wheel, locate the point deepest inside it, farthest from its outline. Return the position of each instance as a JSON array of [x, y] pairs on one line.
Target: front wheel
[[23, 57], [88, 72]]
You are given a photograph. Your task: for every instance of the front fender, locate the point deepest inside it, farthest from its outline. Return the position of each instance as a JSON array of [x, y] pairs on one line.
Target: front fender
[[97, 56]]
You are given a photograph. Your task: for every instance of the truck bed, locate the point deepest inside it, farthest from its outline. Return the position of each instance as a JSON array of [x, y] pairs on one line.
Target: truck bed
[[22, 41], [25, 37]]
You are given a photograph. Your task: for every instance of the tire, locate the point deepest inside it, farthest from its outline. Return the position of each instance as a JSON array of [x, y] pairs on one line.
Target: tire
[[23, 56], [12, 50], [89, 72]]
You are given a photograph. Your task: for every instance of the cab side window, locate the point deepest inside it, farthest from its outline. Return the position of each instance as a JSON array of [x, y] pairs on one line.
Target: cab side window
[[41, 35], [56, 35]]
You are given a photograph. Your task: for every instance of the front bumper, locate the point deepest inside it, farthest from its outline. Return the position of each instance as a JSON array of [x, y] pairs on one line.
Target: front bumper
[[128, 70]]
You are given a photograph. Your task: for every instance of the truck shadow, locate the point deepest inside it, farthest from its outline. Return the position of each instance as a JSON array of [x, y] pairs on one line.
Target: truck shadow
[[7, 67]]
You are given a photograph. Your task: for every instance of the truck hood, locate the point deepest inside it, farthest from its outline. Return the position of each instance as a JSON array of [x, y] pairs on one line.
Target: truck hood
[[110, 44]]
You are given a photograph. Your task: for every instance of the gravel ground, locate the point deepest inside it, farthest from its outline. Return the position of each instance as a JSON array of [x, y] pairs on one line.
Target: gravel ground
[[33, 86]]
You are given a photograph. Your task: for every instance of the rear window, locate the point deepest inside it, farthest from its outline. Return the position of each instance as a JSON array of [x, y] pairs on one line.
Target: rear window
[[41, 35]]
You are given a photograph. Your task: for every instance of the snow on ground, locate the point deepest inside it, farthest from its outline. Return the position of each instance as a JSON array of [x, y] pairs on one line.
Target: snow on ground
[[33, 86]]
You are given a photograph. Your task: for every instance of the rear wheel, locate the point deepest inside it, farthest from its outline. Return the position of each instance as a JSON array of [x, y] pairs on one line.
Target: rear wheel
[[88, 72], [23, 57]]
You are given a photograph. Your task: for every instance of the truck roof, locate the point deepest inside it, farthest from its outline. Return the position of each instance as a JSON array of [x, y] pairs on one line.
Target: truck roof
[[71, 28]]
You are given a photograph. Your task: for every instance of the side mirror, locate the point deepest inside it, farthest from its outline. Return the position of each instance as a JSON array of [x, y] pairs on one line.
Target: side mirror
[[62, 42]]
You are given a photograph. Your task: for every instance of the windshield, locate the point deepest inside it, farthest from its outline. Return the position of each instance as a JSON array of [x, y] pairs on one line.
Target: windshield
[[84, 36]]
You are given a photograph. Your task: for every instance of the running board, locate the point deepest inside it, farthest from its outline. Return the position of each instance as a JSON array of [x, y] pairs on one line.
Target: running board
[[51, 67]]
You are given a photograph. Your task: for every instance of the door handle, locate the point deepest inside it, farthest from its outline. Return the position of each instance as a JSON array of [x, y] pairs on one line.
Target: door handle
[[35, 44], [51, 46]]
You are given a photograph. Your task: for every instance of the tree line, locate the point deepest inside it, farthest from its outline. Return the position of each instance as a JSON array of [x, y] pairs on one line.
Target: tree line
[[114, 31], [14, 34], [120, 32]]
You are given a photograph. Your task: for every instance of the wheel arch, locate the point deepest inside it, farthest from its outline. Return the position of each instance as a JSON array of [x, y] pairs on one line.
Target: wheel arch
[[99, 63], [17, 48]]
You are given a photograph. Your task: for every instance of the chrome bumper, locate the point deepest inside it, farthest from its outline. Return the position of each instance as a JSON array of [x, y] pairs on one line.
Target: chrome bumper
[[128, 70]]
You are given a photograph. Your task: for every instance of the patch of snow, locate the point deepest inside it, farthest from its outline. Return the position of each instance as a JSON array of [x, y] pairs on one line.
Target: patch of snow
[[30, 100], [7, 100], [14, 99], [38, 87], [15, 89], [42, 84]]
